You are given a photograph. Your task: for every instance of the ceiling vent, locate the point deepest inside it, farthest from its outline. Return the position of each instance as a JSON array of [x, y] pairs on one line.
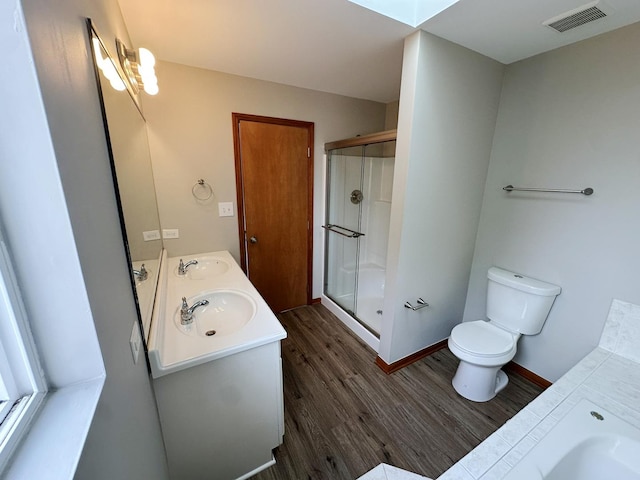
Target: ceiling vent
[[578, 16]]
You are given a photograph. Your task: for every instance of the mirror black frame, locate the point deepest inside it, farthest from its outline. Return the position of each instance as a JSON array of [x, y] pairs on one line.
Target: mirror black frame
[[93, 34]]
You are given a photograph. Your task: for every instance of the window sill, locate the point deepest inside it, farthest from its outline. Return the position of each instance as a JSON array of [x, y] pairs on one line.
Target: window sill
[[53, 445]]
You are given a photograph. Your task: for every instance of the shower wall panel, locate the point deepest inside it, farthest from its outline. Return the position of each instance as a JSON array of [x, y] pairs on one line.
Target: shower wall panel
[[376, 211]]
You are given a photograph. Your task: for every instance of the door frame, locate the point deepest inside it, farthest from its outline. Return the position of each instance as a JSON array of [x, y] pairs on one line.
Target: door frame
[[309, 126]]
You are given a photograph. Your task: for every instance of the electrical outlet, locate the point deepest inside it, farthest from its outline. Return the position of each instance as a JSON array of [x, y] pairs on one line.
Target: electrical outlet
[[136, 342], [170, 233], [151, 235], [225, 209]]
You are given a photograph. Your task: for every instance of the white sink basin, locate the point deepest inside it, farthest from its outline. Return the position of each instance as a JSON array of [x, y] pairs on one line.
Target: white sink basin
[[207, 267], [227, 312]]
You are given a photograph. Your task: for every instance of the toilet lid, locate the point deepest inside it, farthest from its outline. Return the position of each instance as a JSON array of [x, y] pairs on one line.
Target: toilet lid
[[481, 338]]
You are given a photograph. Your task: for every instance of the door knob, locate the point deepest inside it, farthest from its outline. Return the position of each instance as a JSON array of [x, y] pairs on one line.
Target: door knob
[[253, 240]]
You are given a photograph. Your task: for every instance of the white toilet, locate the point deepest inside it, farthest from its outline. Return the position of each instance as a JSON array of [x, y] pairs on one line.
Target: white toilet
[[516, 305]]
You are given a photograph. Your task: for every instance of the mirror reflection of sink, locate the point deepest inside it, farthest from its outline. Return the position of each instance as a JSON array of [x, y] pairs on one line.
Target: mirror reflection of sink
[[207, 267], [227, 312]]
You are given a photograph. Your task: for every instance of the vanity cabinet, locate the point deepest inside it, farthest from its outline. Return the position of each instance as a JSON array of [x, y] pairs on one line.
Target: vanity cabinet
[[221, 419], [220, 396]]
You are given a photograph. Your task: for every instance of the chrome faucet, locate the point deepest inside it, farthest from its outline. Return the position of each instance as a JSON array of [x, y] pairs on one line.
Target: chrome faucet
[[182, 267], [186, 311], [142, 274]]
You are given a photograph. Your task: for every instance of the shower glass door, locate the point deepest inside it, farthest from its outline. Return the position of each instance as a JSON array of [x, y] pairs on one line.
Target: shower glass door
[[343, 226], [359, 189]]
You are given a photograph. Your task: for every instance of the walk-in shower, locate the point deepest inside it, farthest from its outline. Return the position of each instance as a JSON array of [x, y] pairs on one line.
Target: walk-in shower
[[358, 207]]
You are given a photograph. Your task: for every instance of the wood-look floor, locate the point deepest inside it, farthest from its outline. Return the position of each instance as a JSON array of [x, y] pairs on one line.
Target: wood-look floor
[[344, 416]]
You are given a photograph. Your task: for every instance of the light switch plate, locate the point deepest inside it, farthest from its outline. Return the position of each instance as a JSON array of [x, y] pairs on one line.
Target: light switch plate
[[136, 342], [225, 209], [151, 235], [170, 233]]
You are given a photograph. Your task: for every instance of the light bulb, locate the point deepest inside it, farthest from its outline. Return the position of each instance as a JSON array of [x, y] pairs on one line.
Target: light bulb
[[152, 80], [146, 71], [98, 51], [117, 84], [146, 58], [109, 70], [151, 88]]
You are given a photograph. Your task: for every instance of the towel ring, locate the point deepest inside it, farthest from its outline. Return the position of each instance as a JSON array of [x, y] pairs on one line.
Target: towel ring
[[202, 190]]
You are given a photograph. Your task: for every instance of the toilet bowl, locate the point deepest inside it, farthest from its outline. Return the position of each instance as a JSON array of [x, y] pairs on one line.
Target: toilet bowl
[[516, 305], [483, 349]]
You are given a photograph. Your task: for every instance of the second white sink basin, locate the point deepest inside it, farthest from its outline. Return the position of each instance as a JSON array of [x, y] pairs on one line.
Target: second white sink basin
[[207, 267], [227, 312]]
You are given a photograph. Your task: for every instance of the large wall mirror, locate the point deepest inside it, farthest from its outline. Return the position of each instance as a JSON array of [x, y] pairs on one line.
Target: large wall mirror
[[133, 178]]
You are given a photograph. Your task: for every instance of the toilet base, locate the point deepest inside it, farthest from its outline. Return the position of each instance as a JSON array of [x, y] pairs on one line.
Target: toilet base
[[479, 384]]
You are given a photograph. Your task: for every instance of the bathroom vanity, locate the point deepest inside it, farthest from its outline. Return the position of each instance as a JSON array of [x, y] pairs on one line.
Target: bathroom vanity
[[217, 378]]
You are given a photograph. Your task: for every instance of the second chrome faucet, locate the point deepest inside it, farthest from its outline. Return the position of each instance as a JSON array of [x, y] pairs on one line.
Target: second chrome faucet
[[182, 267]]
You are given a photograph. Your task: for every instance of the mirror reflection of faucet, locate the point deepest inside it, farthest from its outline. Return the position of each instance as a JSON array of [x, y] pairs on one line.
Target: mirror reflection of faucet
[[182, 267], [186, 311], [141, 274]]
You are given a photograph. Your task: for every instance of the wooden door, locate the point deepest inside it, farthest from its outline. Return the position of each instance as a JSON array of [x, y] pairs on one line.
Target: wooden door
[[274, 175]]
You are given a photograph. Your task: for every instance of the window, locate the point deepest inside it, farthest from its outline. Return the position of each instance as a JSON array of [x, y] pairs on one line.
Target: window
[[22, 385]]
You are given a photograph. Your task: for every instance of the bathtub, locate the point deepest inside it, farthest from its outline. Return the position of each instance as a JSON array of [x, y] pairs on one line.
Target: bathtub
[[589, 443]]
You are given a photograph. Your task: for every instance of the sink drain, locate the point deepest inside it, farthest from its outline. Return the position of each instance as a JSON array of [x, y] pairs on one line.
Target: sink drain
[[210, 333]]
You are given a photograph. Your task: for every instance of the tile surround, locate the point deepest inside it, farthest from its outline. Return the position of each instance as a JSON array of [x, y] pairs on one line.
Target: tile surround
[[621, 333], [609, 376], [388, 472]]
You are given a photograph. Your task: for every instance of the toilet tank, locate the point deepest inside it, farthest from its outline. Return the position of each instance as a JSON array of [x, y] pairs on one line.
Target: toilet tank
[[518, 303]]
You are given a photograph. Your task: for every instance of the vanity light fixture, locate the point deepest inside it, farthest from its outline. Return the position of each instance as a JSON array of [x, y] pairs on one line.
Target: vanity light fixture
[[107, 67], [139, 67]]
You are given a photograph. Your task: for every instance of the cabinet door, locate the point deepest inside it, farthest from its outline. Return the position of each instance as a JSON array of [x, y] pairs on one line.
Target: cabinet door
[[222, 419]]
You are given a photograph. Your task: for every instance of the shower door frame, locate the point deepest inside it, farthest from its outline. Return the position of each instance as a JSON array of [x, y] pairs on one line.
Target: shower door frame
[[363, 141]]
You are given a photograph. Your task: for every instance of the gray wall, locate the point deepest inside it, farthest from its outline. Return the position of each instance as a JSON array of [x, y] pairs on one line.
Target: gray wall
[[448, 106], [191, 137], [568, 119], [124, 440]]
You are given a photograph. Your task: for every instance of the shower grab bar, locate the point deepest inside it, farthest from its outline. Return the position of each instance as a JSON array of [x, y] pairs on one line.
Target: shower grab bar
[[351, 234], [421, 304], [511, 188]]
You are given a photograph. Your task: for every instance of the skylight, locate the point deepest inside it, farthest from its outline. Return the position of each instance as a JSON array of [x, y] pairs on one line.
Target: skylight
[[410, 12]]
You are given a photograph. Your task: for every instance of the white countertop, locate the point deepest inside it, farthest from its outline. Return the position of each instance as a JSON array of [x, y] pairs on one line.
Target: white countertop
[[609, 376], [171, 350]]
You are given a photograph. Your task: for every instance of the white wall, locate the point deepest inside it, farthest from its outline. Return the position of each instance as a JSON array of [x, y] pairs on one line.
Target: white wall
[[191, 137], [568, 119], [124, 440], [37, 232], [448, 106]]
